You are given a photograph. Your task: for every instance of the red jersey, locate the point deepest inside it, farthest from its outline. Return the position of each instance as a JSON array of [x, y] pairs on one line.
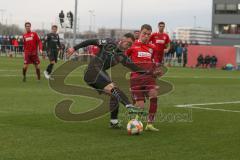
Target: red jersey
[[31, 42], [93, 50], [160, 40], [142, 55]]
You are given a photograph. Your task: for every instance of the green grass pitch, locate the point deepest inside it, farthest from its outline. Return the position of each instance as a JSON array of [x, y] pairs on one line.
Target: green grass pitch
[[29, 129]]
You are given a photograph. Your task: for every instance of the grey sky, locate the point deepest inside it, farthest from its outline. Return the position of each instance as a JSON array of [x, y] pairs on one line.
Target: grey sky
[[176, 13]]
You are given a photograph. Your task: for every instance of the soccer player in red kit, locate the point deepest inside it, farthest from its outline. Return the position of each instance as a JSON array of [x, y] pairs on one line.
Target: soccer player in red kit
[[162, 42], [31, 44], [143, 85]]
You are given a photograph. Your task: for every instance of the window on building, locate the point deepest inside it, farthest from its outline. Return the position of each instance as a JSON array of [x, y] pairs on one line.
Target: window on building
[[220, 7], [227, 8], [227, 29], [231, 9]]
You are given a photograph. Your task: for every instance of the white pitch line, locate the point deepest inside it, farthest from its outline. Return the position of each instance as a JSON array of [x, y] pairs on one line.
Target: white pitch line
[[208, 104], [201, 77]]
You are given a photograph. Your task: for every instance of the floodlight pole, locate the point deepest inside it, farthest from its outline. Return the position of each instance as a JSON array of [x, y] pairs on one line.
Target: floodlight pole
[[121, 17], [2, 13], [75, 22]]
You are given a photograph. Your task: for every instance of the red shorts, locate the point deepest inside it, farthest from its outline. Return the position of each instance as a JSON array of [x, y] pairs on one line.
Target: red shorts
[[31, 59], [141, 85]]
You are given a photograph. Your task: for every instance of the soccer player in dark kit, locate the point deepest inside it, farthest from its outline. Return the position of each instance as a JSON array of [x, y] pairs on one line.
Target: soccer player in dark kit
[[53, 45], [109, 55], [31, 44]]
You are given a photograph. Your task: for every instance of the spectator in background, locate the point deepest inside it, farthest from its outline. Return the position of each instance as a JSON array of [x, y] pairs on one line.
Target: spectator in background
[[61, 17], [185, 53], [173, 48], [162, 42], [207, 61], [136, 34], [20, 43], [32, 44], [200, 61], [213, 62], [179, 52], [61, 52], [1, 40], [15, 45], [9, 44]]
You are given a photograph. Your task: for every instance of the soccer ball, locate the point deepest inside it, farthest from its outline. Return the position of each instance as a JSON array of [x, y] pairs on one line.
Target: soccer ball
[[134, 127]]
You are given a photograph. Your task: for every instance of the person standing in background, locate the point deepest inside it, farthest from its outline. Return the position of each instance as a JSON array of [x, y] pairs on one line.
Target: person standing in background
[[162, 42], [31, 44]]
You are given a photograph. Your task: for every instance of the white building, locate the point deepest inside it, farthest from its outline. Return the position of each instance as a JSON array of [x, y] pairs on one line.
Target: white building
[[112, 33], [193, 35]]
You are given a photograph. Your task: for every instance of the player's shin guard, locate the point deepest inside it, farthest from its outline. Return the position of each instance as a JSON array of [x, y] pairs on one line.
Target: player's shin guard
[[152, 110], [38, 73], [50, 68], [114, 108], [120, 96]]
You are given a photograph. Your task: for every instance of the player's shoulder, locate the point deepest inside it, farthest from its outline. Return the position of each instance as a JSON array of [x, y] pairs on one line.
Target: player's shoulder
[[151, 45], [25, 34], [165, 34], [34, 33], [135, 45], [104, 41], [154, 34]]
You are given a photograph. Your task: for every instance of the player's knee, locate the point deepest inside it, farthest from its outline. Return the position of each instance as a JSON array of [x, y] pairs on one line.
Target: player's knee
[[140, 104], [37, 66], [109, 87], [153, 93]]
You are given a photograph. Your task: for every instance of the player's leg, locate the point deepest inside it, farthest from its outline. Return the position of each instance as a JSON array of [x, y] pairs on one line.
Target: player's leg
[[117, 93], [24, 71], [152, 110], [114, 109], [122, 98], [27, 61], [36, 62], [38, 72], [138, 96], [48, 71], [152, 94], [53, 59], [100, 80]]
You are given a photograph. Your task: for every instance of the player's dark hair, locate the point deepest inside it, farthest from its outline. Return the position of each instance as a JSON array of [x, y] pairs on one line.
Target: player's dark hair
[[27, 23], [129, 35], [161, 23], [54, 26], [136, 31], [147, 27]]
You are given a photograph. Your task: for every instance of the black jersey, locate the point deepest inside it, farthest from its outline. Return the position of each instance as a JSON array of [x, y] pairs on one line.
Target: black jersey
[[52, 41], [108, 56]]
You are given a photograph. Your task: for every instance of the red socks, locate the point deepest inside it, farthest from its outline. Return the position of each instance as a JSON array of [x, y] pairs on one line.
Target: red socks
[[152, 109]]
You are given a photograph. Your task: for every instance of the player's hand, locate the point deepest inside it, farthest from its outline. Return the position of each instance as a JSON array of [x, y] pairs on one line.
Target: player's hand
[[70, 51], [166, 51], [41, 52], [157, 72]]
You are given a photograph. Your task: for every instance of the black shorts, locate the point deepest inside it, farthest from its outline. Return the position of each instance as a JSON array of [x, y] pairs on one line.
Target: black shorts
[[53, 55], [97, 79]]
